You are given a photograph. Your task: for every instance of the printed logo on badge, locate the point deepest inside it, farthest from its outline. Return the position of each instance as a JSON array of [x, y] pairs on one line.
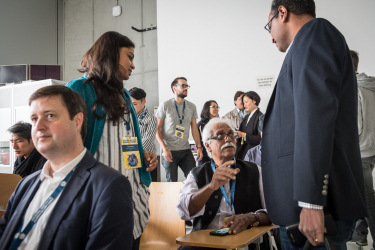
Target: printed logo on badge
[[130, 152], [179, 131]]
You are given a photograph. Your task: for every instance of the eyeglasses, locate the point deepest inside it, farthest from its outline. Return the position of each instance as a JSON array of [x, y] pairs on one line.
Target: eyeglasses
[[268, 27], [183, 85], [215, 107], [221, 136]]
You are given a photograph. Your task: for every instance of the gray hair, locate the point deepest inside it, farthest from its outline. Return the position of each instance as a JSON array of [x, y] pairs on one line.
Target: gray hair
[[207, 131]]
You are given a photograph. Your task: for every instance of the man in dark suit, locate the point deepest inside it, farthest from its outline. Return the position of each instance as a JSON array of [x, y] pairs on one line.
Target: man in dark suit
[[74, 202], [310, 152]]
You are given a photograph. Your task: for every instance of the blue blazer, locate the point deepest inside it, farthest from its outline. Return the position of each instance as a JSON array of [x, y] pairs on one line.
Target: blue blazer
[[94, 210], [310, 130]]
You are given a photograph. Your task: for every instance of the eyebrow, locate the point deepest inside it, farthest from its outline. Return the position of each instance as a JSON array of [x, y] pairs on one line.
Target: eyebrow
[[44, 112]]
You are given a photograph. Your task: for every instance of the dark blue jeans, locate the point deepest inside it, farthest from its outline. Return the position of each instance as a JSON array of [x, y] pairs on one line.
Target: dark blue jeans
[[345, 231], [182, 158], [361, 229]]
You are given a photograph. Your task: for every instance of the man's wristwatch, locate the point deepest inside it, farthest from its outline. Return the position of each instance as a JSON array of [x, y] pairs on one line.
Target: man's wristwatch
[[256, 223]]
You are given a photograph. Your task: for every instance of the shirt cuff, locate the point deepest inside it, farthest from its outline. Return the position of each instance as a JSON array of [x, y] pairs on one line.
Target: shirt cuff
[[309, 206]]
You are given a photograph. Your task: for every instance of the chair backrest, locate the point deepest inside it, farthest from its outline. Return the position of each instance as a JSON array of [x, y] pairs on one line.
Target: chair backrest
[[2, 212], [8, 183], [164, 224]]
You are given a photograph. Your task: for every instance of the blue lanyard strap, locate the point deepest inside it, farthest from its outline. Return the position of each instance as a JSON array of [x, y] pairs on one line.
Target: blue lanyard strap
[[241, 114], [183, 112], [232, 189], [143, 116], [20, 236]]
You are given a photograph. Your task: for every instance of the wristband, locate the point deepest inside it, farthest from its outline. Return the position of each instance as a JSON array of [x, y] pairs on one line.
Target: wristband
[[164, 149], [256, 223]]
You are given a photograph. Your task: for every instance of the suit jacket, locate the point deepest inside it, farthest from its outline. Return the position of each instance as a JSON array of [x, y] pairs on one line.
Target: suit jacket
[[235, 117], [253, 137], [94, 210], [310, 133]]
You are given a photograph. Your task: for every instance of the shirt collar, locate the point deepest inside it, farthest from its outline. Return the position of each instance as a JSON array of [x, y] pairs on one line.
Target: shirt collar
[[239, 110], [290, 45], [64, 171], [144, 110]]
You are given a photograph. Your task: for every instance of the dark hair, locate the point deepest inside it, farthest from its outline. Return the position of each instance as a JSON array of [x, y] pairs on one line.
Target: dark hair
[[205, 114], [297, 7], [355, 59], [71, 100], [137, 93], [21, 129], [175, 81], [101, 63], [253, 96], [238, 94]]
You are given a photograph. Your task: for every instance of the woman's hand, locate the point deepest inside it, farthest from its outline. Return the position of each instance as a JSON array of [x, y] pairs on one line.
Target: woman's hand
[[151, 159], [239, 134]]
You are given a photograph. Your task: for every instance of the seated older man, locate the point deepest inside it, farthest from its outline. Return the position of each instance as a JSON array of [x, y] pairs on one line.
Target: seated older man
[[224, 188]]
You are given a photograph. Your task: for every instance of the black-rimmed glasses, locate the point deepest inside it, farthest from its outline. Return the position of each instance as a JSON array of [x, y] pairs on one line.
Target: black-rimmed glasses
[[267, 27], [221, 136], [183, 85]]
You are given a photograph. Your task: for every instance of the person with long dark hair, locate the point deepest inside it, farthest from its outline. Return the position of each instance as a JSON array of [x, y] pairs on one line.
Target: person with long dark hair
[[209, 111], [113, 134], [248, 133]]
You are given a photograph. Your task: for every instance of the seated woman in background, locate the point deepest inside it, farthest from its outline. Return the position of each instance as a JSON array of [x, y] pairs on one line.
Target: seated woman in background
[[29, 160], [248, 134], [113, 133], [209, 111]]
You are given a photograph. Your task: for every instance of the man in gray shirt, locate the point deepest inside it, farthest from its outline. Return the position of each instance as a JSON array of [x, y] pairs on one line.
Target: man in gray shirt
[[175, 116]]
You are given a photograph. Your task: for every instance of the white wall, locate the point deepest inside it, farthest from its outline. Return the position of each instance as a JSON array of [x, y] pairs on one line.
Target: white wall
[[221, 46], [29, 32]]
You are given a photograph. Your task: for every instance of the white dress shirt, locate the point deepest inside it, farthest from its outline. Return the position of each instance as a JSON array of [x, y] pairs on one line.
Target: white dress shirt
[[251, 114], [46, 188], [190, 187]]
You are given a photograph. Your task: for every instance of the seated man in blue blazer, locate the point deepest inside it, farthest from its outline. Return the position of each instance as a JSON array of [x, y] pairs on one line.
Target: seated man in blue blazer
[[74, 202]]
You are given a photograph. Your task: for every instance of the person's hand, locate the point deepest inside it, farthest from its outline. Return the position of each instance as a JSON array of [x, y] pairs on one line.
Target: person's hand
[[199, 154], [167, 155], [223, 174], [238, 223], [151, 159], [312, 225], [239, 134]]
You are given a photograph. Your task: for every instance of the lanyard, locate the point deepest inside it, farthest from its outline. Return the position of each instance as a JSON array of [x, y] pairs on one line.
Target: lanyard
[[20, 236], [143, 116], [183, 111], [232, 189], [241, 114]]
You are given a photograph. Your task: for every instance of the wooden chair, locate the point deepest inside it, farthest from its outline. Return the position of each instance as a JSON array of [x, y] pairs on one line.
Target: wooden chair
[[8, 183], [164, 224], [2, 212]]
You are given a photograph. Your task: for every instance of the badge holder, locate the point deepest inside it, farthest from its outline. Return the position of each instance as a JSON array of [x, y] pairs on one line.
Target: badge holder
[[130, 152], [179, 131]]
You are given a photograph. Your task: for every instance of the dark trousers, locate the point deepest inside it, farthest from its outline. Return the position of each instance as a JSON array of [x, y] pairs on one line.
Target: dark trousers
[[345, 230], [361, 229], [136, 243], [182, 158]]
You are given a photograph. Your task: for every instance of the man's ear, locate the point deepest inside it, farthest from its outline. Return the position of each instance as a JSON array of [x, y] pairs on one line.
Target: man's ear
[[283, 13], [208, 147], [78, 121], [144, 101]]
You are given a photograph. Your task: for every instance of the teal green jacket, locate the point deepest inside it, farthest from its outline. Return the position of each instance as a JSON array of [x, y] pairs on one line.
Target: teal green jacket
[[95, 126]]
